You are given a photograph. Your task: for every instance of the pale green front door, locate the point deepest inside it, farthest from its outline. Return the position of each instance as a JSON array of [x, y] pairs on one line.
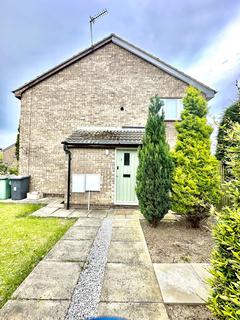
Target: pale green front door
[[126, 168]]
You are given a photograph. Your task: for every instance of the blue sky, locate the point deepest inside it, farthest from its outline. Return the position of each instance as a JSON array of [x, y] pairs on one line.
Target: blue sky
[[200, 37]]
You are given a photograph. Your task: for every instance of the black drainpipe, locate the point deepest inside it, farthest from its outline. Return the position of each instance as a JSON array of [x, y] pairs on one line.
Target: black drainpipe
[[67, 151]]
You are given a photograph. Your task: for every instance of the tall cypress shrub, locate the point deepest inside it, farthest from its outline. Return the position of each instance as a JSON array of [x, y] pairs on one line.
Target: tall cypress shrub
[[17, 144], [224, 298], [155, 166], [196, 180], [231, 115]]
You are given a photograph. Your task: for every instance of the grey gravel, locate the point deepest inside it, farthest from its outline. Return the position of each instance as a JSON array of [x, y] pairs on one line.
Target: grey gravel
[[87, 292]]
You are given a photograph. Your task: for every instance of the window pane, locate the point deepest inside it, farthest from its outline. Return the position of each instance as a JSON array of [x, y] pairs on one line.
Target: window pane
[[126, 159], [172, 108]]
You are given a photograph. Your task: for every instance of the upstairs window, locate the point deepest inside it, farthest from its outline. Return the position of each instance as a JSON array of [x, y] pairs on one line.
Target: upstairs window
[[172, 108]]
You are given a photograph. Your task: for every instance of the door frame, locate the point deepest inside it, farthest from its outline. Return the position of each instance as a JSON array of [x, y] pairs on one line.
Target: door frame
[[115, 180]]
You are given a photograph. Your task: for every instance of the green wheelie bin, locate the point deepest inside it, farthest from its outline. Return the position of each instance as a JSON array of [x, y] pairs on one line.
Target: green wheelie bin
[[5, 189]]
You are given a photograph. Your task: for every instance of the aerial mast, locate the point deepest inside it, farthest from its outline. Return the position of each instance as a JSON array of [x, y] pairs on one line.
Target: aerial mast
[[93, 19], [238, 88]]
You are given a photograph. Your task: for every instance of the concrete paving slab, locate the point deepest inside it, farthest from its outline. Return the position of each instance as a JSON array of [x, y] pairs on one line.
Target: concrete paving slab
[[180, 284], [132, 216], [70, 250], [44, 212], [79, 214], [125, 223], [133, 311], [34, 310], [127, 234], [202, 271], [126, 211], [98, 213], [132, 253], [113, 216], [124, 283], [56, 203], [88, 222], [50, 280], [62, 213], [132, 212], [81, 233]]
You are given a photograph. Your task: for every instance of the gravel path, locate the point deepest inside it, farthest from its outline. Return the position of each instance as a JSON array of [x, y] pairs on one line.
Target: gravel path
[[87, 292]]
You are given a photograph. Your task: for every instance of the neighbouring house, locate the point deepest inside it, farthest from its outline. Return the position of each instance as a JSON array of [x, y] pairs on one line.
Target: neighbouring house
[[9, 156], [87, 116]]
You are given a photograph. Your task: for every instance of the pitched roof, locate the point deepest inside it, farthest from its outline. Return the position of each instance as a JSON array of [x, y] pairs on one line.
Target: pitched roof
[[131, 48], [9, 147], [106, 136]]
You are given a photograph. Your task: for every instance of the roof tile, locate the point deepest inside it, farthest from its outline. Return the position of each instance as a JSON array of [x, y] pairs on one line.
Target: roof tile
[[105, 136]]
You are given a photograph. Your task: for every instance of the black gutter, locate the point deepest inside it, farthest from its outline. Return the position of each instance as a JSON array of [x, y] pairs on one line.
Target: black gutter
[[101, 146], [68, 152]]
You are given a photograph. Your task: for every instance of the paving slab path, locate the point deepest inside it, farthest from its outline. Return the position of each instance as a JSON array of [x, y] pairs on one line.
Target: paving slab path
[[128, 286]]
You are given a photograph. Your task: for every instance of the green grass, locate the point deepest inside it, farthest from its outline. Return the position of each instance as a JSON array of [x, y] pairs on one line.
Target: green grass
[[24, 241]]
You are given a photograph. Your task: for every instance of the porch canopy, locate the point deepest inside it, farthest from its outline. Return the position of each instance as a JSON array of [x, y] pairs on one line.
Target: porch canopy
[[105, 137]]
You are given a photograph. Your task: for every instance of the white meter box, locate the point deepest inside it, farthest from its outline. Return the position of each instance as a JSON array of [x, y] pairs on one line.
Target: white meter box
[[85, 182], [93, 182], [78, 182]]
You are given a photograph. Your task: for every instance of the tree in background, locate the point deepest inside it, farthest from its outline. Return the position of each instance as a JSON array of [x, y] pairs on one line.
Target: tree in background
[[155, 166], [224, 299], [17, 144], [196, 180], [231, 115]]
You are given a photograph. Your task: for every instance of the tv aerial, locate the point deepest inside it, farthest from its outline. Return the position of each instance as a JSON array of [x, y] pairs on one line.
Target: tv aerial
[[238, 87], [93, 19]]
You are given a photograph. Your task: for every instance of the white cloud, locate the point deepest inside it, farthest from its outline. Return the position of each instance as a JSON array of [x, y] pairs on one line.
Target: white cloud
[[221, 59]]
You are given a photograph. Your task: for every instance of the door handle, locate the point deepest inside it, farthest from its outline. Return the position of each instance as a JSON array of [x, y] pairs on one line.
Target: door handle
[[126, 175]]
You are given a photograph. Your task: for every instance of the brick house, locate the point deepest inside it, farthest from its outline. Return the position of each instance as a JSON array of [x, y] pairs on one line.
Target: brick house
[[9, 156], [87, 116]]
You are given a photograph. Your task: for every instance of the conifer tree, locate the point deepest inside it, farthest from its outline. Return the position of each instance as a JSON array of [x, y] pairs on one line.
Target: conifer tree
[[231, 116], [196, 181], [155, 166], [17, 144], [224, 300]]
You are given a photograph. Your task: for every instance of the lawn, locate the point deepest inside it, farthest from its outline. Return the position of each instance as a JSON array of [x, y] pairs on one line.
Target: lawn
[[24, 241]]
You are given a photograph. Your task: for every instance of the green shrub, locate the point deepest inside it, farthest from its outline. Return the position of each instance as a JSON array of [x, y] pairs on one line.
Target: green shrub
[[3, 169], [196, 180], [231, 116], [224, 300], [225, 282], [13, 170], [155, 167]]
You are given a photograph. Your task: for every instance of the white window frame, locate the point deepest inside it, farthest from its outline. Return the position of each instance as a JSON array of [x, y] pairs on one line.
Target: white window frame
[[178, 109]]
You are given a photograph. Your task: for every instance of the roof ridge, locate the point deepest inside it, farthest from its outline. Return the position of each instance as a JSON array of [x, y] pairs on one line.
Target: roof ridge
[[129, 47]]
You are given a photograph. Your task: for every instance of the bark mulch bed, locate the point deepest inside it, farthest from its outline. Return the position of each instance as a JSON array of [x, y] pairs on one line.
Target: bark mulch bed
[[187, 312], [174, 242]]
